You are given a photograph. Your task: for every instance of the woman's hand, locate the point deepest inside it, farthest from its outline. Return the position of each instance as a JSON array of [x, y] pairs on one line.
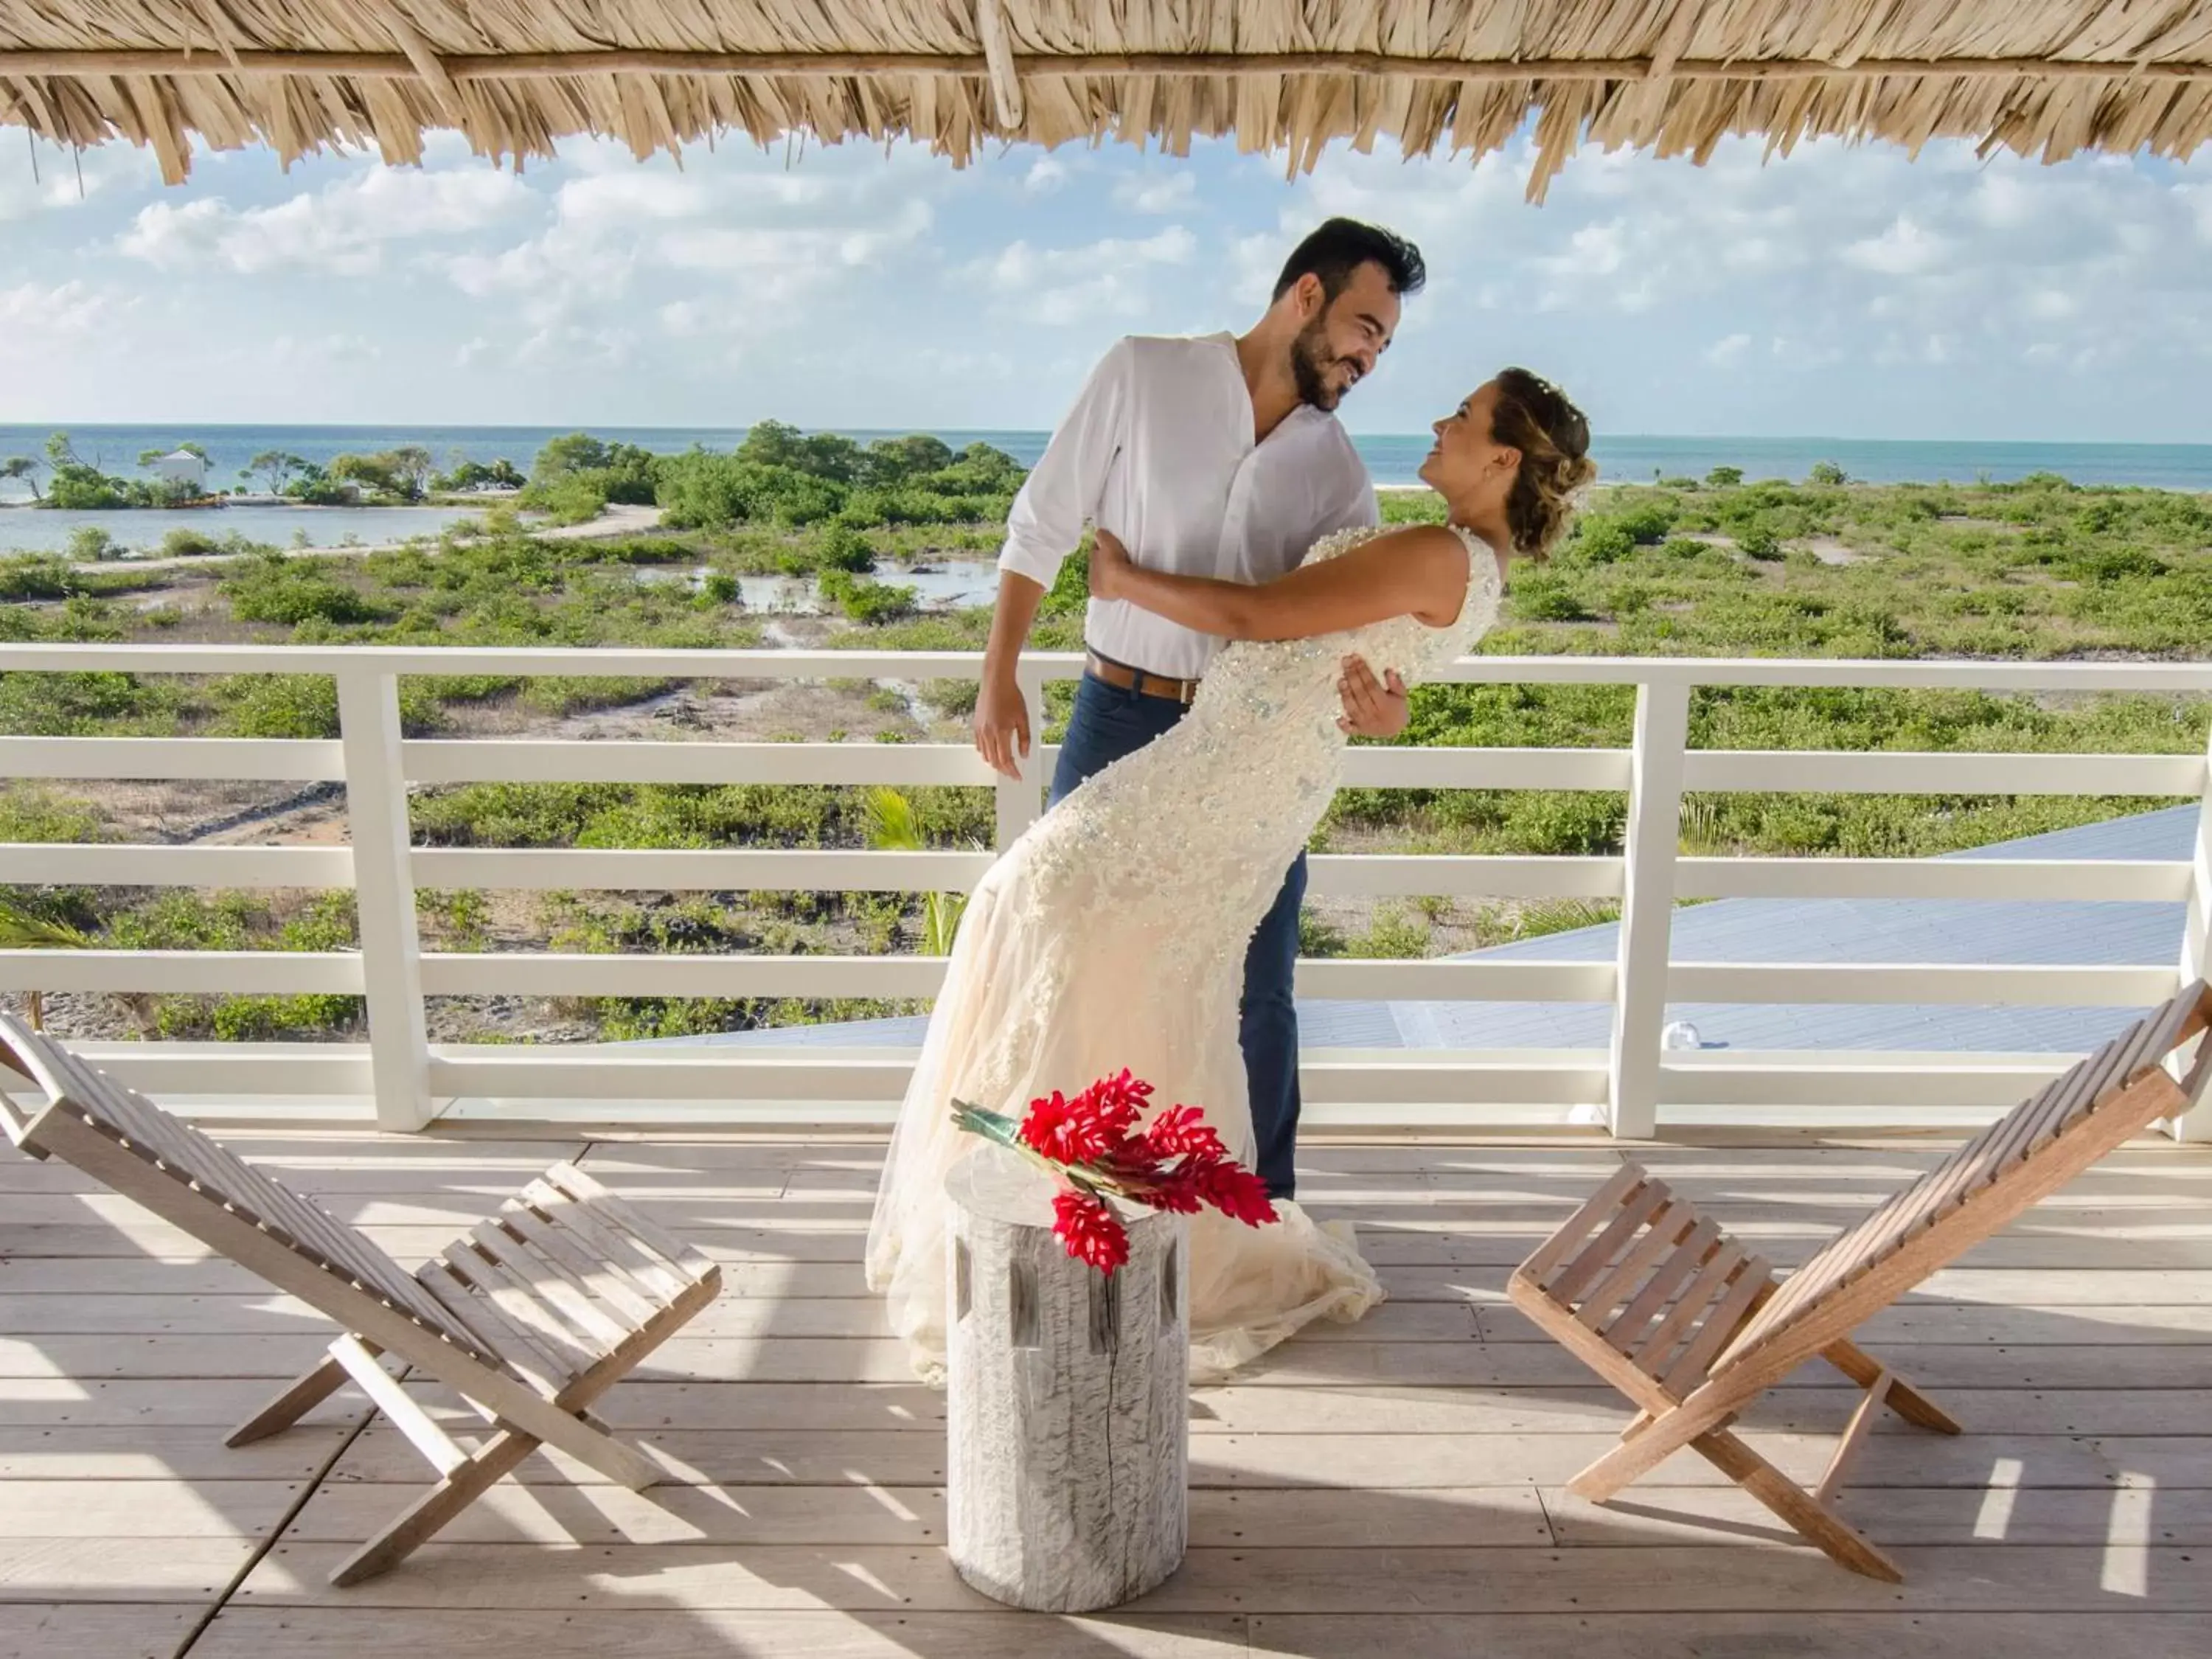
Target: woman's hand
[[1110, 566]]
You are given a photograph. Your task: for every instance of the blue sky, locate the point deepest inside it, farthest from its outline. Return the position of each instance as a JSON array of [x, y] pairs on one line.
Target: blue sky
[[1839, 292]]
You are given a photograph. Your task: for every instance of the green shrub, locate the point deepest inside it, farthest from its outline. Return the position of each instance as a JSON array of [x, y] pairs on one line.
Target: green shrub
[[1756, 541], [91, 544], [866, 601], [273, 588], [844, 548]]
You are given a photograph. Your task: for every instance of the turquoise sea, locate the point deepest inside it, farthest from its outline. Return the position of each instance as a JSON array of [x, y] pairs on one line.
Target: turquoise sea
[[1392, 459]]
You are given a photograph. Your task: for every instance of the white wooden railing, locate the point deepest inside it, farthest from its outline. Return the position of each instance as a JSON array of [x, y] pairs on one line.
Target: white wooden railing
[[1633, 1087]]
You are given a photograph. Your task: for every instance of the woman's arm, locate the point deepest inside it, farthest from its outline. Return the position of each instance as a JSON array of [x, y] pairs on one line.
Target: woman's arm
[[1421, 571]]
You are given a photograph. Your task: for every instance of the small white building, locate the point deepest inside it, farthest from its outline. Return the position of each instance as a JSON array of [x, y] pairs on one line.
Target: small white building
[[181, 467]]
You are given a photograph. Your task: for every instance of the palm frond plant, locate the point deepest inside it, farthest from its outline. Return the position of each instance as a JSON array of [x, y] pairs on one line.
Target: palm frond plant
[[893, 826], [22, 930]]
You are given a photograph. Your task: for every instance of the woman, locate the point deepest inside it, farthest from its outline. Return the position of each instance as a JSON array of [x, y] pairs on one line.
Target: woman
[[1112, 934]]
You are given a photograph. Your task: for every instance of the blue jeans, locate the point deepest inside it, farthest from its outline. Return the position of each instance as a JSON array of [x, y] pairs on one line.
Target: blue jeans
[[1109, 723]]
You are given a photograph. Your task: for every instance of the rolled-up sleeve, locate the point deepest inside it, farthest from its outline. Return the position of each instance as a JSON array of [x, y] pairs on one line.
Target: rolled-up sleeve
[[1062, 492]]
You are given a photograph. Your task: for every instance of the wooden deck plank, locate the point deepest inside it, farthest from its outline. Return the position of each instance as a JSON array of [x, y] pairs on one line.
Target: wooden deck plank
[[1662, 1577], [893, 1458], [66, 1506], [80, 1631], [193, 1452], [1706, 1635], [1900, 1515], [338, 1632]]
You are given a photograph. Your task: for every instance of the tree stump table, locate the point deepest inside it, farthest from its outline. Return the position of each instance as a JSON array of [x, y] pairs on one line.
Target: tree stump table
[[1067, 1398]]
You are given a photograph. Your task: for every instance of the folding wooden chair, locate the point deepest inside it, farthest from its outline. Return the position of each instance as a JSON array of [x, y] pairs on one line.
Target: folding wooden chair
[[531, 1317], [1693, 1327]]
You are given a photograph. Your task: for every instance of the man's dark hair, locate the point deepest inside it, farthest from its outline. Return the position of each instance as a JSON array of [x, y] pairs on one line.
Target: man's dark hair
[[1341, 247]]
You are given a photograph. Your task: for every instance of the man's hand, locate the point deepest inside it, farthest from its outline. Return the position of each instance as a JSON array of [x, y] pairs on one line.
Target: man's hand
[[1373, 708], [1002, 724]]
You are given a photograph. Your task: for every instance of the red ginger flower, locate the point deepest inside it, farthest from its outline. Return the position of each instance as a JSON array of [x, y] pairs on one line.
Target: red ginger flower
[[1092, 1231], [1232, 1189], [1079, 1130], [1183, 1129]]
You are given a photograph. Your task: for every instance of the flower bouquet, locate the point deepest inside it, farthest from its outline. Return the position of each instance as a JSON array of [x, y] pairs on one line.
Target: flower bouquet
[[1091, 1145]]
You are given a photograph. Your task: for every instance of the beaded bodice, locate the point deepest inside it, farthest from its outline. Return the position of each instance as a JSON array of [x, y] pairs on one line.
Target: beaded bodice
[[1188, 839]]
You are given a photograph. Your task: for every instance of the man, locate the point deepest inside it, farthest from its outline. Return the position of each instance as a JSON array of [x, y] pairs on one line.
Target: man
[[1219, 456]]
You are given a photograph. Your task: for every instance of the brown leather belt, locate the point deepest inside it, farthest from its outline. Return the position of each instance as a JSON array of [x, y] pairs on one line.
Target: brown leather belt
[[1125, 678]]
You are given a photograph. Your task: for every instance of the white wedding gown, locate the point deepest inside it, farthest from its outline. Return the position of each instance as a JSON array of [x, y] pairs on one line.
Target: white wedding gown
[[1112, 935]]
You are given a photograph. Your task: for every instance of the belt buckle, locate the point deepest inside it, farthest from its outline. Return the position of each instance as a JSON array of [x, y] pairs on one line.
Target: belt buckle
[[1185, 692]]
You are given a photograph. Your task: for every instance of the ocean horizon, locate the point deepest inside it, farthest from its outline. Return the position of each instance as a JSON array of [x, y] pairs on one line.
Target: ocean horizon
[[1392, 458]]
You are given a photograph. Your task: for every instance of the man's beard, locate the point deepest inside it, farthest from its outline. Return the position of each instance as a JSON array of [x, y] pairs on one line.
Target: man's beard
[[1310, 367]]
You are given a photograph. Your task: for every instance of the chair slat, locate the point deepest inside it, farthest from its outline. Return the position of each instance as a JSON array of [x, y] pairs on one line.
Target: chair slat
[[1720, 1328], [513, 1347], [597, 1328], [1624, 1278], [684, 1256], [653, 1274], [519, 1300], [1653, 1356], [603, 1281], [1625, 1334], [1577, 1227], [1567, 1285]]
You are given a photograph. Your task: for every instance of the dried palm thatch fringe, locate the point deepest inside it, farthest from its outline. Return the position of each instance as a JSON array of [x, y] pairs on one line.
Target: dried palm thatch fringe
[[2048, 78]]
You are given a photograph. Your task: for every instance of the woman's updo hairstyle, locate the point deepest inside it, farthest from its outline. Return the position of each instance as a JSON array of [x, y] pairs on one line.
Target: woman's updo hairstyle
[[1533, 417]]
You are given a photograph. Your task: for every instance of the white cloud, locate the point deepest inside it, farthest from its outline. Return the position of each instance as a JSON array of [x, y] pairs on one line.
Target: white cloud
[[1046, 174], [1903, 249], [1726, 353], [1158, 192], [62, 310], [1110, 277], [340, 230]]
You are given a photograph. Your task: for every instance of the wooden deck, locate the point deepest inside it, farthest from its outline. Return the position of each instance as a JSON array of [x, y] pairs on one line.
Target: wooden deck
[[1392, 1488]]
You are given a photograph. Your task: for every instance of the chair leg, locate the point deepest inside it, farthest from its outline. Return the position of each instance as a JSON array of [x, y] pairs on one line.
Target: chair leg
[[1907, 1401], [422, 1520], [1813, 1520], [1650, 1442], [289, 1407]]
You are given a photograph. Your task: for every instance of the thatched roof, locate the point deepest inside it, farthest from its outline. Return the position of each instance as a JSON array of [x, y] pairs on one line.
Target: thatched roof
[[2040, 76]]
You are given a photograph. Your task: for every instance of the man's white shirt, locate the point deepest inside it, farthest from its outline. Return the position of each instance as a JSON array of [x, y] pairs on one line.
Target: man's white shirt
[[1158, 450]]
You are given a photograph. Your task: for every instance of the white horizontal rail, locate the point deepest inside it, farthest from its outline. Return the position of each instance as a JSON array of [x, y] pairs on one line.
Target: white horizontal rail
[[1871, 1079], [697, 871], [1486, 768], [561, 661], [324, 1070], [1885, 773], [2146, 881], [545, 974], [264, 973], [1383, 874], [253, 760], [68, 864], [750, 1072], [555, 761], [1973, 984]]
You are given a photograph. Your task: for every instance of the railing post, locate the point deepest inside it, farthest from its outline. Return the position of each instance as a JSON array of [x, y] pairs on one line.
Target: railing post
[[1021, 803], [1647, 903], [2197, 948], [384, 892]]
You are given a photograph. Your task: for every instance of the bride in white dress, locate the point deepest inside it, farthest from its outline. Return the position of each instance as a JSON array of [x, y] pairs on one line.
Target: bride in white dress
[[1112, 934]]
